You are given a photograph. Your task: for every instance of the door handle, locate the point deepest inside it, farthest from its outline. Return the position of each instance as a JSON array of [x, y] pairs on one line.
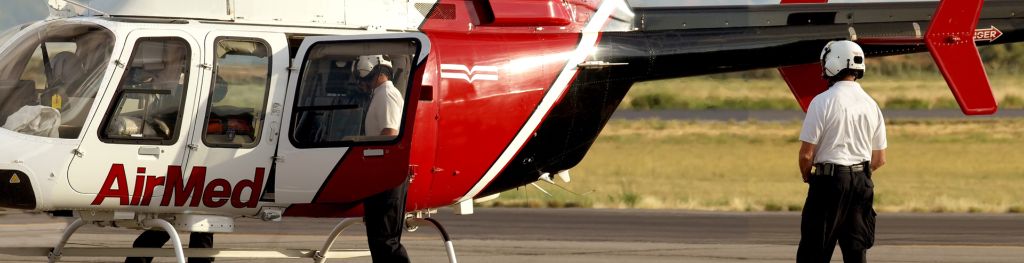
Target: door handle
[[373, 152], [149, 150]]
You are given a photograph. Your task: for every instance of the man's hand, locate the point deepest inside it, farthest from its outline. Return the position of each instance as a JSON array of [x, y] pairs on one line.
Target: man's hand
[[806, 160], [877, 159]]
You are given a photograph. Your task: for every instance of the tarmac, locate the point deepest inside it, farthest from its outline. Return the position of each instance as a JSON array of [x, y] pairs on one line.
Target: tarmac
[[498, 235]]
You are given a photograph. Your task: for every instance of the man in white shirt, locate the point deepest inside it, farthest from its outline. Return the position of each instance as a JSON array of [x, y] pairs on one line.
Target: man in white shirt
[[383, 213], [384, 115], [844, 141]]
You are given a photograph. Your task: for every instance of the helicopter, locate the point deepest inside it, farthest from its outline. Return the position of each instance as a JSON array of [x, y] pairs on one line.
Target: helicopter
[[185, 115]]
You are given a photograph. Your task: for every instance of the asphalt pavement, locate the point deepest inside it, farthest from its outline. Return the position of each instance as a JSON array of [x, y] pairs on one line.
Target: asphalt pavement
[[497, 235]]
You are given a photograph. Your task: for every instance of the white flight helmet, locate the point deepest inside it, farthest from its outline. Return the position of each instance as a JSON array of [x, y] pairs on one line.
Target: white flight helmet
[[840, 55], [365, 64]]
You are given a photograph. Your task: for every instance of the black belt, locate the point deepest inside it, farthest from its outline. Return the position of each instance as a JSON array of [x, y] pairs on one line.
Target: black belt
[[830, 169]]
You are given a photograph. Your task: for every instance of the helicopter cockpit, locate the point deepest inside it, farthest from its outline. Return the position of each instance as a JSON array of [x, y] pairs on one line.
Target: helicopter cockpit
[[49, 77]]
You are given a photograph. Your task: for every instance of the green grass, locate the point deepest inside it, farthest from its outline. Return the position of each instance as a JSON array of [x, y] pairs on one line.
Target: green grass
[[934, 166], [924, 90]]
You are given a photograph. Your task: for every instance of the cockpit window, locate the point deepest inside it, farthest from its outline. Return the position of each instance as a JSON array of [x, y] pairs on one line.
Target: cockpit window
[[151, 95], [49, 78]]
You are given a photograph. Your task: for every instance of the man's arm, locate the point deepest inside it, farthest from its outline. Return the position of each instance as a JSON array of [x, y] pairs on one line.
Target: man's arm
[[877, 159], [392, 113], [806, 159]]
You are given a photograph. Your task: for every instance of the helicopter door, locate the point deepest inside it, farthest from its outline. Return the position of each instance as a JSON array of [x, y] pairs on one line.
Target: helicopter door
[[239, 110], [143, 131], [347, 124]]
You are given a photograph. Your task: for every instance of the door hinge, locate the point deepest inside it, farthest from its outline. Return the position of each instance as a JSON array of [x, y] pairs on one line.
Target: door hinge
[[78, 153], [193, 147], [291, 65], [205, 66]]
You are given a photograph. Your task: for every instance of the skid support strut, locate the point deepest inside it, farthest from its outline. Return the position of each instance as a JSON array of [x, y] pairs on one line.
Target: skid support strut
[[56, 253], [321, 256], [175, 239], [449, 247]]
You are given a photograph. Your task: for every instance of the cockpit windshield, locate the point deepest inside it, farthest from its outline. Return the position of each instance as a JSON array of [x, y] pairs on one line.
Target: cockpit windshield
[[49, 78]]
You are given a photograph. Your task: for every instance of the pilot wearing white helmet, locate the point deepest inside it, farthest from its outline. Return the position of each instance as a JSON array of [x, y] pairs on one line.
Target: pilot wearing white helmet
[[384, 213], [384, 115], [844, 141]]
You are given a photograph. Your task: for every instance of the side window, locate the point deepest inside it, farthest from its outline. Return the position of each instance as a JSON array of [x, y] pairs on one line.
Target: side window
[[151, 94], [351, 92], [239, 94]]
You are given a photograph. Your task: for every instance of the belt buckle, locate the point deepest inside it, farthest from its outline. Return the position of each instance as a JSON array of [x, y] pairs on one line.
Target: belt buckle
[[825, 169]]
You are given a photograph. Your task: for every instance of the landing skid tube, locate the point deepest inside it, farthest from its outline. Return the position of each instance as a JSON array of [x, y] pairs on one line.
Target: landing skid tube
[[56, 253], [75, 252]]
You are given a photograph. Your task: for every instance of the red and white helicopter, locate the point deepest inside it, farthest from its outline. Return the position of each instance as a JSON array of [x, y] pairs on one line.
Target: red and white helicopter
[[187, 114]]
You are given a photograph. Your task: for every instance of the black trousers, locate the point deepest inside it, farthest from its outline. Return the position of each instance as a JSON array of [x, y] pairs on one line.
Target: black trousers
[[384, 216], [838, 209], [157, 238]]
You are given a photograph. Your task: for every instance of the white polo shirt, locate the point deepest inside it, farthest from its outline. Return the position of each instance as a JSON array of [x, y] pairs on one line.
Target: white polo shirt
[[385, 110], [845, 124]]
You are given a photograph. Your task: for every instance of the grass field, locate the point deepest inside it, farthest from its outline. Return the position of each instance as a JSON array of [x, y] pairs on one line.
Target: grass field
[[923, 90], [934, 166]]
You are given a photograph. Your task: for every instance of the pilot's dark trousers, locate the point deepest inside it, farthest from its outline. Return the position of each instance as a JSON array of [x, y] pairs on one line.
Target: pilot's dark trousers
[[384, 216], [157, 238], [838, 208]]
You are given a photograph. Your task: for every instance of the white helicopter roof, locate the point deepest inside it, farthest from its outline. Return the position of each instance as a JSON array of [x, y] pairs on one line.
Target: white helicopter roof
[[373, 14]]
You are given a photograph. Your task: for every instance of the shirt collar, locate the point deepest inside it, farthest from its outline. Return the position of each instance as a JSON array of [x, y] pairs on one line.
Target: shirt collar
[[385, 84], [846, 83]]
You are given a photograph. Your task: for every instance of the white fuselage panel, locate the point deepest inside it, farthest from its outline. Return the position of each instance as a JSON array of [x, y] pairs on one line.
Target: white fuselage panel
[[382, 14]]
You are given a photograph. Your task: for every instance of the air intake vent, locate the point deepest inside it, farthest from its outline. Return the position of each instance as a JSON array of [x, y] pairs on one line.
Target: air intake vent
[[442, 11], [423, 8]]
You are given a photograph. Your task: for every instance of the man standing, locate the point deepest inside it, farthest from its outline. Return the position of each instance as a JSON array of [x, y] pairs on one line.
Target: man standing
[[844, 141], [383, 213], [384, 114]]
